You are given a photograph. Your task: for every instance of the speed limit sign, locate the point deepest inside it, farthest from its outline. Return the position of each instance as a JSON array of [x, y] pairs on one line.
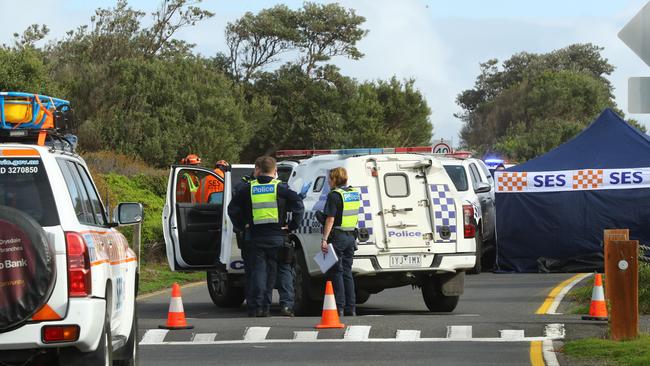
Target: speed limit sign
[[442, 147]]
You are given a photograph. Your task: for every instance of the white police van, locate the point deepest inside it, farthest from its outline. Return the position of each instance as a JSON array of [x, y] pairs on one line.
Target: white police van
[[475, 186], [68, 278], [413, 227]]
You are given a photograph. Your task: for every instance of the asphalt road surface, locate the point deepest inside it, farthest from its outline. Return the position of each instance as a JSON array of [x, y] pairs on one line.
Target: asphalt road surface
[[494, 324]]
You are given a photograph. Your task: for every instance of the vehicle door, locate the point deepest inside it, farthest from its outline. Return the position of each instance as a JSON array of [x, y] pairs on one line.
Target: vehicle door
[[194, 230], [486, 201], [405, 217]]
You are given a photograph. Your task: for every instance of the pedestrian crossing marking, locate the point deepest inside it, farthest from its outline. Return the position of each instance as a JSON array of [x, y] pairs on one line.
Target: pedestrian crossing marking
[[355, 333], [459, 332], [512, 334], [256, 334], [407, 335], [204, 337]]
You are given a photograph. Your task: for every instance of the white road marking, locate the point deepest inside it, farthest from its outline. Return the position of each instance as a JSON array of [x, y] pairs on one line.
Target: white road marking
[[459, 332], [204, 337], [357, 333], [512, 334], [154, 336], [560, 296], [305, 336], [256, 334], [554, 331], [550, 358], [407, 335]]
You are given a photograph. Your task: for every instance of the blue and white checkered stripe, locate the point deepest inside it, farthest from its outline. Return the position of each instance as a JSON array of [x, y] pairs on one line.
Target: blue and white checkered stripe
[[444, 211], [365, 212]]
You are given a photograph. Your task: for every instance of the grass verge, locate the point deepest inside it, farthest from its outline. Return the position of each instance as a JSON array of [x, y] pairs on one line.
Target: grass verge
[[606, 352], [158, 276]]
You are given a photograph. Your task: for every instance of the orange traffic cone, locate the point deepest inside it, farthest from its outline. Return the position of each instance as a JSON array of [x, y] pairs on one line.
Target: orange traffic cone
[[330, 318], [176, 314], [598, 307]]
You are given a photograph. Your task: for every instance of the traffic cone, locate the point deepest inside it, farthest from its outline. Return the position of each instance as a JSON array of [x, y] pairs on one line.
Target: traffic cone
[[176, 314], [330, 318], [598, 307]]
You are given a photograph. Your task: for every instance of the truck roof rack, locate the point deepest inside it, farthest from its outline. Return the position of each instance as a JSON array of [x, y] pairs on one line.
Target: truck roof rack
[[36, 119]]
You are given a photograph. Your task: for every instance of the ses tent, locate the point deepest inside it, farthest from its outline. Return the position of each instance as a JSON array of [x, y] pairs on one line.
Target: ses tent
[[555, 207]]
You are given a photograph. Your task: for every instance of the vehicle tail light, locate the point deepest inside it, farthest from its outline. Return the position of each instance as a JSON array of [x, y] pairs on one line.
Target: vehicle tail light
[[79, 278], [469, 228], [60, 333]]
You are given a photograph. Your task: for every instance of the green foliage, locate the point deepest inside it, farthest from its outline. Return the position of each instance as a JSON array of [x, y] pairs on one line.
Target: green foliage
[[630, 353], [535, 102], [23, 69]]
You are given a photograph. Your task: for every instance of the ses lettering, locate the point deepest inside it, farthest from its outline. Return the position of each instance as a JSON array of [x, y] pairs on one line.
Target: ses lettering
[[625, 178], [553, 180]]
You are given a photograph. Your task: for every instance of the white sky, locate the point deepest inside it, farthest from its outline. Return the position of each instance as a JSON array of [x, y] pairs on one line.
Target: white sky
[[439, 43]]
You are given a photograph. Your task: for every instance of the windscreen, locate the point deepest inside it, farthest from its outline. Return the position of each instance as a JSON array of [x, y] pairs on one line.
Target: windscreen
[[236, 175], [458, 176], [24, 186]]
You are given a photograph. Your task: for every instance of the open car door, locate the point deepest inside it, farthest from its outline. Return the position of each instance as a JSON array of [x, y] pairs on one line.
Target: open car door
[[195, 220]]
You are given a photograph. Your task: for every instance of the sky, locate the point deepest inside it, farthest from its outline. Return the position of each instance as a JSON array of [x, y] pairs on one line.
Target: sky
[[438, 43]]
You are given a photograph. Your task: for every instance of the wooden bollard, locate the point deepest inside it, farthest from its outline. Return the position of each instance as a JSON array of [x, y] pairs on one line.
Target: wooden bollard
[[622, 283], [613, 234]]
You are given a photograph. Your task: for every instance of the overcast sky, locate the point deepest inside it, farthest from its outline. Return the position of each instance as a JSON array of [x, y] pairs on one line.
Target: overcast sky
[[439, 43]]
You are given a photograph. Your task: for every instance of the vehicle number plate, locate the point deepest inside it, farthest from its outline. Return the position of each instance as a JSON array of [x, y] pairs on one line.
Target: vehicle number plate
[[406, 261]]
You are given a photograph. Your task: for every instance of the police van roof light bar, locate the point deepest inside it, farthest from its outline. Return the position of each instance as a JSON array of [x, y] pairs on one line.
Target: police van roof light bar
[[355, 151]]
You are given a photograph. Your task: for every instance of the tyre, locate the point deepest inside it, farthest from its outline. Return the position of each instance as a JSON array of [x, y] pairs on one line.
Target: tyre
[[128, 355], [435, 300], [361, 296], [103, 355], [303, 302], [479, 253], [222, 290], [29, 266]]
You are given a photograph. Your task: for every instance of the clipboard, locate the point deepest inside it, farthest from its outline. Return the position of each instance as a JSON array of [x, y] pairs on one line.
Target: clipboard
[[325, 261]]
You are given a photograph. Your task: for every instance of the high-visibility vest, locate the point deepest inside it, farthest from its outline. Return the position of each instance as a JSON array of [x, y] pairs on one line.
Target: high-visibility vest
[[210, 184], [186, 189], [264, 198], [351, 204]]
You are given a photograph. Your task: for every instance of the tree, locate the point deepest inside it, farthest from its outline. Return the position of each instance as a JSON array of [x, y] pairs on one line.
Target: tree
[[535, 102]]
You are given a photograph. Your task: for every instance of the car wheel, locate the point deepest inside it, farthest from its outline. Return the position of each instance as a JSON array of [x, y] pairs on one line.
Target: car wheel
[[103, 355], [361, 296], [479, 253], [303, 303], [435, 300], [128, 355], [222, 290]]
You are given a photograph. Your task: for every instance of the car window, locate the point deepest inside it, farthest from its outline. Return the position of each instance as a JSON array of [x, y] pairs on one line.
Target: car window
[[485, 170], [236, 175], [95, 202], [284, 173], [24, 185], [476, 177], [458, 176], [320, 182], [397, 185], [78, 195]]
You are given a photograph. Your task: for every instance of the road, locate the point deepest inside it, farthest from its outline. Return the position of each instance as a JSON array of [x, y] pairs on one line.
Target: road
[[493, 324]]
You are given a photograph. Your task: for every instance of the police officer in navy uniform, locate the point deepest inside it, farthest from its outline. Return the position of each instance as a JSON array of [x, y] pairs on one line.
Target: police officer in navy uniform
[[256, 205], [244, 244], [342, 210]]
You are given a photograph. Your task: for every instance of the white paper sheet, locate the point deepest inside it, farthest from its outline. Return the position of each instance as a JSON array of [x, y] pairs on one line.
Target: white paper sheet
[[325, 261]]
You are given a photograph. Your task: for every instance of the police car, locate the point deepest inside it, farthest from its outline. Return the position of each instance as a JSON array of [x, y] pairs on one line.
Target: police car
[[413, 227], [68, 278], [475, 185]]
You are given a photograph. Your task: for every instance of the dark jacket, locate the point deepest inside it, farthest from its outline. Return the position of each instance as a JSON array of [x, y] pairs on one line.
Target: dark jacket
[[241, 213]]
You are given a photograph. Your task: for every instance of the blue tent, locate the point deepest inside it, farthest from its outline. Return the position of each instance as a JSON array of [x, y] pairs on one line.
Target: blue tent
[[558, 204]]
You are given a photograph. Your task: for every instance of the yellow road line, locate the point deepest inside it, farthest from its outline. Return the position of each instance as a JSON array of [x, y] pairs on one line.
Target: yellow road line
[[536, 356], [554, 293], [155, 293]]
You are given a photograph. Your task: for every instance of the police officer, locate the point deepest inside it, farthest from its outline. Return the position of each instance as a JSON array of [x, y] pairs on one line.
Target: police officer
[[244, 244], [256, 205], [341, 209]]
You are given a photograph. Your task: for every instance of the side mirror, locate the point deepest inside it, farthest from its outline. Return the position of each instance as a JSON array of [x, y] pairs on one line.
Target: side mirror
[[482, 188], [129, 213]]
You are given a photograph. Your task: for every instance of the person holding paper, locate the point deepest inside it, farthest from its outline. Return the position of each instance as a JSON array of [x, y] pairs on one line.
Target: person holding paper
[[342, 209]]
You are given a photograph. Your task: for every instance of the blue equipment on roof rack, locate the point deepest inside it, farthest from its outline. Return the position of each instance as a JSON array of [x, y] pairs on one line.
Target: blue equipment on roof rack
[[26, 115]]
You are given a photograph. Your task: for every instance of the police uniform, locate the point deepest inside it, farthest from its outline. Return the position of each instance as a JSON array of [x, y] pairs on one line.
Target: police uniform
[[343, 204], [256, 205]]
